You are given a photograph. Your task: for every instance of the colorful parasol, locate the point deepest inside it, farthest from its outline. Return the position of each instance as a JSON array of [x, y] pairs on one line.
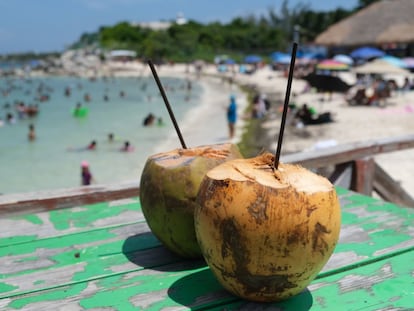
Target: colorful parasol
[[331, 64]]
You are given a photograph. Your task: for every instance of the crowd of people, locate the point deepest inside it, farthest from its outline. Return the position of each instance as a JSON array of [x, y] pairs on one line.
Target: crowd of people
[[18, 112]]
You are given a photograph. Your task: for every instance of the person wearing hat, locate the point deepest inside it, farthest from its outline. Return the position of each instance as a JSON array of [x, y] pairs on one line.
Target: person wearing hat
[[86, 174], [232, 115]]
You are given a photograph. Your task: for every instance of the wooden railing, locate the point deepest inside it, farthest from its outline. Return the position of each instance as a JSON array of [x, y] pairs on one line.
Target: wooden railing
[[353, 167], [38, 201]]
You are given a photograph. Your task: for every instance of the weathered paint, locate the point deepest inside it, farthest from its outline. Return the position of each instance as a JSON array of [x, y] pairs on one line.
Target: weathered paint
[[26, 228], [114, 262]]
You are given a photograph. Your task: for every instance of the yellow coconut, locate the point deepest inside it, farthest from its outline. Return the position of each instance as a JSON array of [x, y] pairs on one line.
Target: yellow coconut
[[266, 234], [168, 189]]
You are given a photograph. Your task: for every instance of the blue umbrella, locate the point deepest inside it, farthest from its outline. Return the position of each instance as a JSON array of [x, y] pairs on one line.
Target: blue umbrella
[[252, 59], [367, 52], [312, 55], [230, 61], [394, 61], [281, 58]]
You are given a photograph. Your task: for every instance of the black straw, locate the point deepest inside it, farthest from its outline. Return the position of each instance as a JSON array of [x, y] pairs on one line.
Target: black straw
[[286, 104], [167, 104]]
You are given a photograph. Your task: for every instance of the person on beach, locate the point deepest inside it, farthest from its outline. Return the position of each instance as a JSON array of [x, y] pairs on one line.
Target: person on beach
[[259, 106], [32, 135], [232, 116], [86, 175]]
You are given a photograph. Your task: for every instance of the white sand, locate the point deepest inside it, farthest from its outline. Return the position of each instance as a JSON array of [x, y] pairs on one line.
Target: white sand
[[352, 123]]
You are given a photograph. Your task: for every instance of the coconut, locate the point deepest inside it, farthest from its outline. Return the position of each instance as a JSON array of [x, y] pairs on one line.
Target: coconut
[[168, 189], [266, 233]]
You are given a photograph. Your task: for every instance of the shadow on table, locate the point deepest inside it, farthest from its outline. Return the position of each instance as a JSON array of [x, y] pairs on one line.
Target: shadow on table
[[202, 289], [146, 251]]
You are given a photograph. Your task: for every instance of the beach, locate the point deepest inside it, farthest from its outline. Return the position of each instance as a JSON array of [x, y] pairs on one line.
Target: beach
[[351, 124], [205, 122]]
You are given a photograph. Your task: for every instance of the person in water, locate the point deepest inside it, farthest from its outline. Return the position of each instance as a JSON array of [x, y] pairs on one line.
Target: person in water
[[110, 137], [149, 120], [32, 135], [127, 147], [92, 145], [86, 175]]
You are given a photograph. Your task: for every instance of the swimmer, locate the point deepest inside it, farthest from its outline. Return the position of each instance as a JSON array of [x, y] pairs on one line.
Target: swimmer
[[32, 135], [92, 145], [110, 137], [127, 147], [149, 120]]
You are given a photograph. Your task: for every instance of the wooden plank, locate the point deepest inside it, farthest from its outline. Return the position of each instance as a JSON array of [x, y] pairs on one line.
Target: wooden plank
[[389, 189], [29, 227], [25, 203], [74, 258], [349, 152], [177, 287], [382, 285], [370, 229]]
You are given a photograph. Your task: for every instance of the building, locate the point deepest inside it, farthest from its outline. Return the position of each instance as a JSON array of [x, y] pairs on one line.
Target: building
[[387, 24]]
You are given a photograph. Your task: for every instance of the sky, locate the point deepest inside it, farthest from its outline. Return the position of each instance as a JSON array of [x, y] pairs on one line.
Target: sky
[[52, 25]]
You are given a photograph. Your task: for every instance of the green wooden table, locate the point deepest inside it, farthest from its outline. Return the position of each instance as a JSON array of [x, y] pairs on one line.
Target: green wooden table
[[104, 257]]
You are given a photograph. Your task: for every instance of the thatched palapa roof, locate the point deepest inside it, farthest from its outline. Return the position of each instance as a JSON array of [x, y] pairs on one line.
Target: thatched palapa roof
[[386, 21]]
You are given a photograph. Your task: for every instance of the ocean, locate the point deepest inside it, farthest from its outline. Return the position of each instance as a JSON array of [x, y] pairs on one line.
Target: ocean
[[53, 159]]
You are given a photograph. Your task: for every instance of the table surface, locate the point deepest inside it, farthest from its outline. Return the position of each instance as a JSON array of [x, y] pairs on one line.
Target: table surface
[[104, 257]]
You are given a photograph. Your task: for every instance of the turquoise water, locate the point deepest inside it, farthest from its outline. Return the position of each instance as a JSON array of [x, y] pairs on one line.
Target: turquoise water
[[53, 160]]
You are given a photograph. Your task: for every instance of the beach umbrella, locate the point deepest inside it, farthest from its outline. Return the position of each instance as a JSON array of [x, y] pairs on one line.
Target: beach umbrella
[[379, 66], [230, 61], [327, 83], [252, 59], [409, 62], [312, 56], [332, 65], [309, 58], [367, 52], [344, 59], [394, 61], [280, 58]]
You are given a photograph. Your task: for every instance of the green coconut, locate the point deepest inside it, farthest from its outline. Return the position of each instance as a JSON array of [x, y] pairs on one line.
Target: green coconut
[[168, 189]]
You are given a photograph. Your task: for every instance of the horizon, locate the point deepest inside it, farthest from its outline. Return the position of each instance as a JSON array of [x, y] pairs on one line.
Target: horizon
[[28, 27]]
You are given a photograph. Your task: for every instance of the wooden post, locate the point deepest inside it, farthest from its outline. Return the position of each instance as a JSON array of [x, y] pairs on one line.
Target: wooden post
[[363, 176], [389, 189]]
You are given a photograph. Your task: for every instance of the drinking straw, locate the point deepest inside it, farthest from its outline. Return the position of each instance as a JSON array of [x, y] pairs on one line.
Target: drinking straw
[[286, 105], [167, 103]]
